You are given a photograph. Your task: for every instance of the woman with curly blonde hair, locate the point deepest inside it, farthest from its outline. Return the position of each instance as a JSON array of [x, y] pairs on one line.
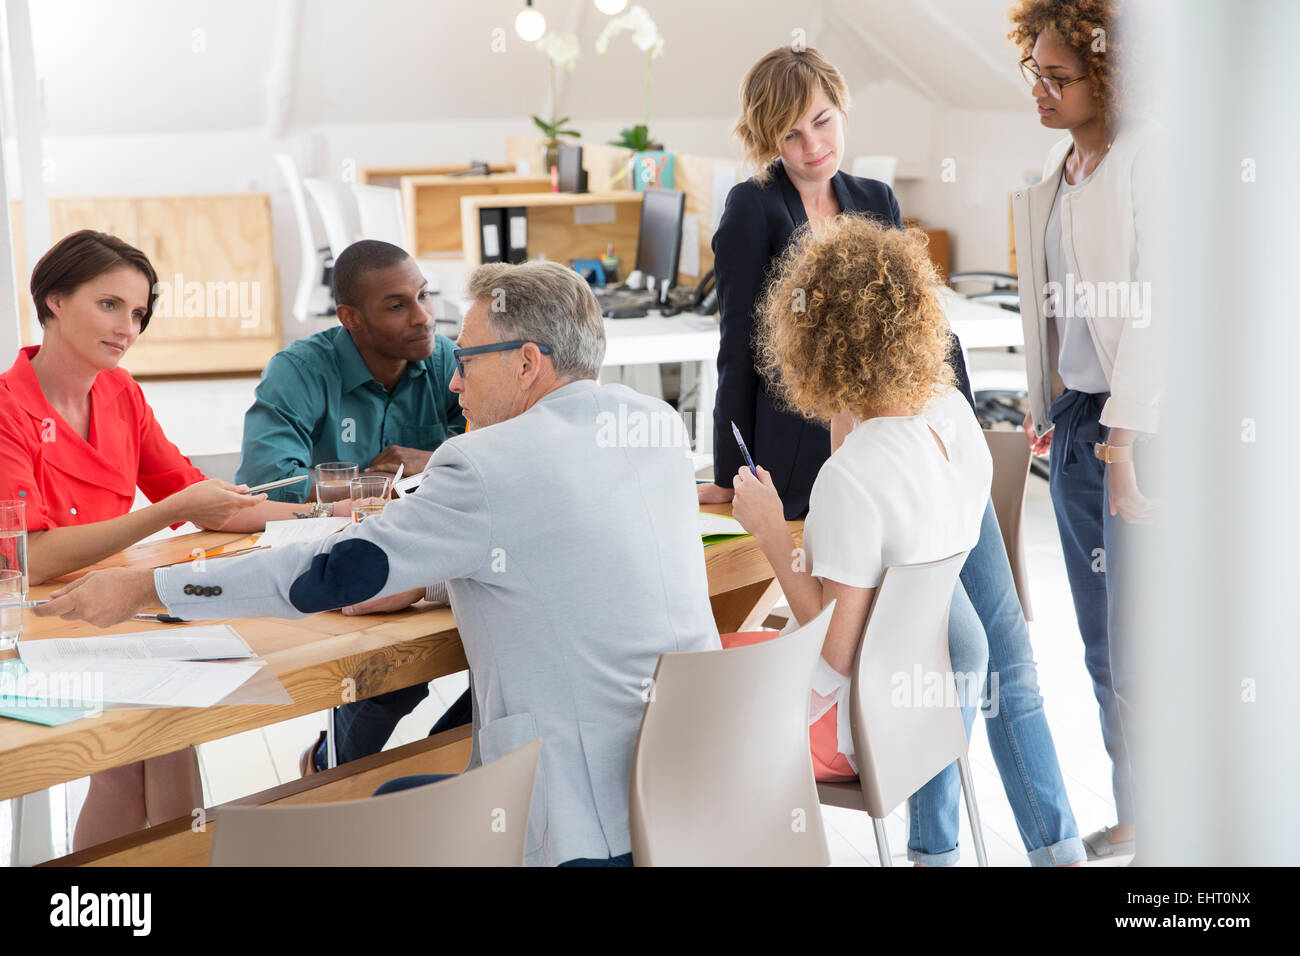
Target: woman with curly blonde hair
[[792, 115], [1093, 360], [851, 332]]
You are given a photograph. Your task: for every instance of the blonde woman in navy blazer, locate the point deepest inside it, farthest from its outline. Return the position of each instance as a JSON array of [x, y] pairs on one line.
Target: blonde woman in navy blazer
[[793, 106]]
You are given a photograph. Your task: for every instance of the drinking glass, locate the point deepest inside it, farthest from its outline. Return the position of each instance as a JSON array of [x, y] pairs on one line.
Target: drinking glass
[[13, 538], [13, 590], [332, 479], [369, 492]]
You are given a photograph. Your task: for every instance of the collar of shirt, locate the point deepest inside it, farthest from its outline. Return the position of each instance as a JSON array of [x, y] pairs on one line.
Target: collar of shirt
[[353, 371], [794, 201], [69, 452]]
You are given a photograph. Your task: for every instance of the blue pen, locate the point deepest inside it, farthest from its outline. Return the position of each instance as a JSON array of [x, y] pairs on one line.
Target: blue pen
[[743, 450]]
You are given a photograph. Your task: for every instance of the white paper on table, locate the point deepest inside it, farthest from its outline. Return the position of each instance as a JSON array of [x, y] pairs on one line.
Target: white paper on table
[[720, 524], [295, 530], [154, 683], [209, 642]]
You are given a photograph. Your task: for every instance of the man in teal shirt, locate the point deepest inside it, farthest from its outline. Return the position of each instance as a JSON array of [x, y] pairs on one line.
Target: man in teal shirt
[[373, 391]]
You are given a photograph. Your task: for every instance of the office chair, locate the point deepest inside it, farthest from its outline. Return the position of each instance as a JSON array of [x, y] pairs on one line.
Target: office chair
[[338, 213], [722, 774], [309, 262], [900, 748], [1010, 452], [478, 818]]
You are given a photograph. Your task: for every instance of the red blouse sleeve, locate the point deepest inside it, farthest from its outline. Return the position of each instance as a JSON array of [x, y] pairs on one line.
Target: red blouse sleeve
[[163, 469], [18, 453]]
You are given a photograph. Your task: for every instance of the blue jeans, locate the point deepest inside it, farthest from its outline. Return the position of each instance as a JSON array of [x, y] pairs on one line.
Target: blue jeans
[[1019, 737], [420, 779], [1093, 544]]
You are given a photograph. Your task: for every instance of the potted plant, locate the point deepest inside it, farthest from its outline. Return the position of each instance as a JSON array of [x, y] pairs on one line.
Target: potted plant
[[561, 50], [648, 39]]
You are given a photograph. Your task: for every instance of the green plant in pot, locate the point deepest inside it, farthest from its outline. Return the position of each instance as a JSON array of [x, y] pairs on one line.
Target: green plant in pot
[[561, 50]]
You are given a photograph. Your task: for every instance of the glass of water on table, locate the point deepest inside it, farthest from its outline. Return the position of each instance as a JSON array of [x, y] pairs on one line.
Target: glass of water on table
[[369, 492], [13, 570], [332, 479]]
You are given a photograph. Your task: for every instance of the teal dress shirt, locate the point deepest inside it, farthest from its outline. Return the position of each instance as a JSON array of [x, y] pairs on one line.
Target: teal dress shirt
[[318, 402]]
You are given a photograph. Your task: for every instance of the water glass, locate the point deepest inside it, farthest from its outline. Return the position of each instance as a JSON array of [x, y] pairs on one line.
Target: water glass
[[13, 590], [13, 538], [369, 492], [332, 479]]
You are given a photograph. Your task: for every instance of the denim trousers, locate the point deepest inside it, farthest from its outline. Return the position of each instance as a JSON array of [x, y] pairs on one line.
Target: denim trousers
[[986, 616], [1095, 546], [420, 779]]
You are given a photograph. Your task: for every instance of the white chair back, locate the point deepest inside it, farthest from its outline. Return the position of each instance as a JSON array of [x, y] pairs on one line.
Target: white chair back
[[338, 213], [379, 212], [478, 818]]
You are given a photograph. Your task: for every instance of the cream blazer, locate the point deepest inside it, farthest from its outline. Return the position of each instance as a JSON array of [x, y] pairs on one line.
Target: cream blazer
[[1113, 250]]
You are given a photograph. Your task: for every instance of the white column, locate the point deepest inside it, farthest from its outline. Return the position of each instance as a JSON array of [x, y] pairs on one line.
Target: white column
[[1219, 733]]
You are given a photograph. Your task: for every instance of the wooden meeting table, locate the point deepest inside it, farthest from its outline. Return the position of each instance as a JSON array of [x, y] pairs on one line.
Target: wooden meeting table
[[312, 657]]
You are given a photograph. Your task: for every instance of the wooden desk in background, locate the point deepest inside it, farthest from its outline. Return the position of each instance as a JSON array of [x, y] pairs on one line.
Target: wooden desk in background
[[564, 226], [311, 657], [432, 206]]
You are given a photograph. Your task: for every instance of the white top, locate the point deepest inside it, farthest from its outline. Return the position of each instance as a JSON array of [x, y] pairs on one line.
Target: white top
[[889, 497], [1077, 361]]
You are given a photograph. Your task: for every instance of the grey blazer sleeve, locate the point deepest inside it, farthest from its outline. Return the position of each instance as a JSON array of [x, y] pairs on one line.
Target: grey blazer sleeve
[[441, 532]]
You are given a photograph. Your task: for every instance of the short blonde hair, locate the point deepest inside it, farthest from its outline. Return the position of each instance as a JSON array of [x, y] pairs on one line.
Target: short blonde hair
[[850, 320], [775, 93]]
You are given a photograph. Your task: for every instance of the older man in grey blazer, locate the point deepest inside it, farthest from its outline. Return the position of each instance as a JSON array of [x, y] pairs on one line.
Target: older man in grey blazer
[[564, 525]]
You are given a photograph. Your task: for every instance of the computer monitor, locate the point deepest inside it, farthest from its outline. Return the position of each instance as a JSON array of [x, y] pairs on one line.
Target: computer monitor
[[659, 240]]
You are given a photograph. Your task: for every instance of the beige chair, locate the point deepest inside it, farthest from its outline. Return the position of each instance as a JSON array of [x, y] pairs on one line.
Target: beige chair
[[478, 818], [1010, 451], [900, 744], [722, 774]]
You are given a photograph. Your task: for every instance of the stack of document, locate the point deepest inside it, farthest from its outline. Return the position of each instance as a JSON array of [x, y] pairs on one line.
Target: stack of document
[[63, 679], [295, 530], [715, 528]]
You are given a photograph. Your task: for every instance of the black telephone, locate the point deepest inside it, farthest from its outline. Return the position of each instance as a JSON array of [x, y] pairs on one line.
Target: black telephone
[[705, 300]]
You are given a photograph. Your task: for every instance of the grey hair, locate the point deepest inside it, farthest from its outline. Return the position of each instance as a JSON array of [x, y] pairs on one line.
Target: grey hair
[[548, 303]]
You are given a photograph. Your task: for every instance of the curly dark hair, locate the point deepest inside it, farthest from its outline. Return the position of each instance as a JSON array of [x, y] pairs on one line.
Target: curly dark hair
[[850, 320], [1088, 28]]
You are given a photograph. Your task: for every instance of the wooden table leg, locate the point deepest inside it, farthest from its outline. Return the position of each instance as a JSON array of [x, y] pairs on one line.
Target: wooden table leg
[[734, 608]]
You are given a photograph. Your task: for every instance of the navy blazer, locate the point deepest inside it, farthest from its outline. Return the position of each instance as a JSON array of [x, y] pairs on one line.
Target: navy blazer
[[755, 228]]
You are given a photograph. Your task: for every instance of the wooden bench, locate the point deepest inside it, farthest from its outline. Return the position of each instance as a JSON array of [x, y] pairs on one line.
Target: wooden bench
[[182, 842]]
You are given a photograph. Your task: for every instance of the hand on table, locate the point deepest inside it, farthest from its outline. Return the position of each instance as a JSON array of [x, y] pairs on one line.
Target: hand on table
[[385, 605], [104, 597], [386, 462], [712, 494]]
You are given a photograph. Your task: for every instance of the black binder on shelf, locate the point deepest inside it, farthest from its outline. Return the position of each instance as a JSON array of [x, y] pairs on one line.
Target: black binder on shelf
[[516, 234], [491, 234]]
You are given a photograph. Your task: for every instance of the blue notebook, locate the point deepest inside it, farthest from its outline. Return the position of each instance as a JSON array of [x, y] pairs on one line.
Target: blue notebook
[[34, 710]]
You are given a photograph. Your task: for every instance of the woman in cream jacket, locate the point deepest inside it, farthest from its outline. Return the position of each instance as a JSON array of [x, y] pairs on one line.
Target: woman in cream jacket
[[1087, 256]]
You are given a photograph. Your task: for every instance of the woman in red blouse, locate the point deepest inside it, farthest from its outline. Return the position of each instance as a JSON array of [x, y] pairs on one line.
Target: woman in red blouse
[[76, 439]]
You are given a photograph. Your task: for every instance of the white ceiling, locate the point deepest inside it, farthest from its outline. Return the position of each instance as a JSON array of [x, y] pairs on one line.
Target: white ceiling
[[149, 66]]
